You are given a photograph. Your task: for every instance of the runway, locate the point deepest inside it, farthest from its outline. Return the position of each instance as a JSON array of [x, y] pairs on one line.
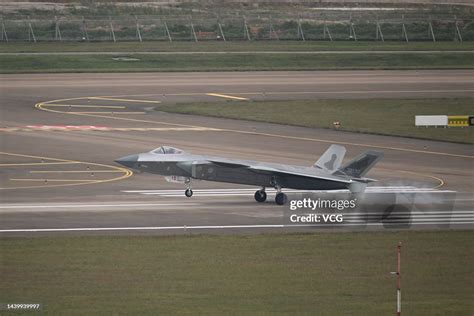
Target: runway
[[61, 133]]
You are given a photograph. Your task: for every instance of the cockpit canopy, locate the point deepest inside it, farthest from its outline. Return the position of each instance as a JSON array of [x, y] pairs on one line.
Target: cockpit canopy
[[167, 150]]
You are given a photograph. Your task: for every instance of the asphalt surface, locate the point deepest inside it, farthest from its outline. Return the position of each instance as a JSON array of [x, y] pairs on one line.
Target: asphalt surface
[[60, 134]]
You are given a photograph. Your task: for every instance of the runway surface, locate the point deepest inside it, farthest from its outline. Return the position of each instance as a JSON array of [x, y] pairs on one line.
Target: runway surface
[[61, 132]]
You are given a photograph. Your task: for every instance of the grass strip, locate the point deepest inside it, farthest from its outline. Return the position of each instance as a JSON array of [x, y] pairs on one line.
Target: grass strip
[[326, 273], [376, 116], [231, 62], [18, 47]]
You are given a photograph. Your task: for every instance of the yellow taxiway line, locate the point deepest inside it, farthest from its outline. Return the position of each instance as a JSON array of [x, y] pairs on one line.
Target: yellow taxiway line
[[440, 181], [88, 106], [37, 163], [41, 104], [126, 172], [110, 112], [56, 180], [124, 100], [73, 171]]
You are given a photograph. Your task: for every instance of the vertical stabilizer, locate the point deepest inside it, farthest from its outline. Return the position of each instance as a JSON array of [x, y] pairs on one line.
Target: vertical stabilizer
[[331, 159], [359, 166]]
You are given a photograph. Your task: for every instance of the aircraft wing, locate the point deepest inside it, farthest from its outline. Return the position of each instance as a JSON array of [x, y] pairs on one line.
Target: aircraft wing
[[228, 164], [269, 170], [275, 171]]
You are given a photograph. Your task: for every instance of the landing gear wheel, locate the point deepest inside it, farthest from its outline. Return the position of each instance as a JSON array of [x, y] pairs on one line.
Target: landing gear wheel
[[260, 196], [188, 192], [280, 198]]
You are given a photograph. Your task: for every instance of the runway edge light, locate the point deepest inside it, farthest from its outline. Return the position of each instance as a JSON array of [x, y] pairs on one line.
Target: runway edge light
[[398, 274]]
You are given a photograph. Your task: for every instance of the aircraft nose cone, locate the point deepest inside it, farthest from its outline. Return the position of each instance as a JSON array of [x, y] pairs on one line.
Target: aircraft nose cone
[[128, 161]]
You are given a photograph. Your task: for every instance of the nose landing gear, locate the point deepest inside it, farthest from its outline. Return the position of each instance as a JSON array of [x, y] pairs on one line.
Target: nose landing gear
[[189, 191], [280, 198]]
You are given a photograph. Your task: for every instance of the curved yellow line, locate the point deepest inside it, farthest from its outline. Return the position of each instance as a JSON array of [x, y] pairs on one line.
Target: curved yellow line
[[126, 172], [35, 164], [440, 181], [43, 106], [40, 106], [125, 100], [36, 157]]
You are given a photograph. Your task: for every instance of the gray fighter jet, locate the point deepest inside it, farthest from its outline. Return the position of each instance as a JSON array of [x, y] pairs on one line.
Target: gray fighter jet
[[326, 174]]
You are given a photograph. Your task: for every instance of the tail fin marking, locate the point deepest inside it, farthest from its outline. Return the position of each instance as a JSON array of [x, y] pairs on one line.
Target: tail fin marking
[[331, 159]]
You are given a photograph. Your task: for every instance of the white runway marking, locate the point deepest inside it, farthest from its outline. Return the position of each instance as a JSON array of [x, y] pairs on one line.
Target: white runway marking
[[74, 205], [184, 227], [106, 129], [246, 192]]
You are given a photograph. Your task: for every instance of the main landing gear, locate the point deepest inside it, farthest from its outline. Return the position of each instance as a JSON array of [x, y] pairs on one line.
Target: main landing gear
[[189, 191], [261, 196], [280, 197]]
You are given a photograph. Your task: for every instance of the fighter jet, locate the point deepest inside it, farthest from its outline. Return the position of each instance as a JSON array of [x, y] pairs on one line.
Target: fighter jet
[[325, 174]]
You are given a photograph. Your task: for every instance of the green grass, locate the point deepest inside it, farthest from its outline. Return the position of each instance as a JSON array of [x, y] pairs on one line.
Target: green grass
[[232, 62], [228, 46], [321, 273], [378, 116]]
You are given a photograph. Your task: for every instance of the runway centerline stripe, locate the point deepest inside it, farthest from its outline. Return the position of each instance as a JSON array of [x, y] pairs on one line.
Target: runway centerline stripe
[[271, 190], [247, 194], [226, 96], [267, 189]]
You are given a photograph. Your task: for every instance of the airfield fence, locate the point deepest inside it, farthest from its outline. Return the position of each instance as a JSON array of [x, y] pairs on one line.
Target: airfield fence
[[309, 26]]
